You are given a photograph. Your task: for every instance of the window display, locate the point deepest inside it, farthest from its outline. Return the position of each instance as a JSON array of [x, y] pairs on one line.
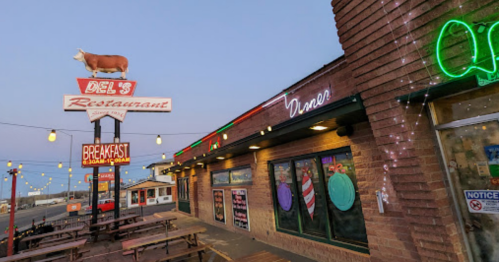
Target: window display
[[316, 196], [286, 210]]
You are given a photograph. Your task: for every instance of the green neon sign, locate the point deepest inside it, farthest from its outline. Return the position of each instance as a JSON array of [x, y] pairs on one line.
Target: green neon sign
[[474, 48]]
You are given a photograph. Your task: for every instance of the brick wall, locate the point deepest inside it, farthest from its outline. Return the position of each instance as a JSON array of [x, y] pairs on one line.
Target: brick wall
[[385, 47], [388, 234], [336, 74]]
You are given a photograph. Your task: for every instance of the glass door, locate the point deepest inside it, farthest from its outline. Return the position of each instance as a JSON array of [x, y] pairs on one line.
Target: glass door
[[184, 204], [142, 197], [467, 126]]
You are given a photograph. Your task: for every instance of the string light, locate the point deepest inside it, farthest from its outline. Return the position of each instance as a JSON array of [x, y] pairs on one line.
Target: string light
[[9, 164], [20, 166], [163, 156], [60, 165], [158, 140], [52, 136]]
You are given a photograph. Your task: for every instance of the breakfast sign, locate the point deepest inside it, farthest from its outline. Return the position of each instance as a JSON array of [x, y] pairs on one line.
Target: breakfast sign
[[96, 155]]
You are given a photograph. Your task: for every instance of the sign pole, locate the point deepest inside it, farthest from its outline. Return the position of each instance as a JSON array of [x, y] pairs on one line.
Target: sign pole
[[95, 177], [10, 246], [116, 175]]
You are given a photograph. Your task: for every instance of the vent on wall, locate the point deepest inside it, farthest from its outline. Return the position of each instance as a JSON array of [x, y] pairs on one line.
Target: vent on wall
[[151, 200], [166, 198]]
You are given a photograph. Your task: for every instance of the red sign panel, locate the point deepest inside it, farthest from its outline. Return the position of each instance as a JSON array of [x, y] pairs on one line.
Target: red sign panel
[[95, 155], [108, 176], [106, 87]]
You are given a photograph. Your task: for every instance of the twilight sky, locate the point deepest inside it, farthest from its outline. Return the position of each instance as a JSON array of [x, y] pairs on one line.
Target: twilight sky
[[215, 59]]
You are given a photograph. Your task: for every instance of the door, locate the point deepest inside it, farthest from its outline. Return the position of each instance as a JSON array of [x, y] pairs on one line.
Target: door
[[468, 131], [142, 198], [184, 204]]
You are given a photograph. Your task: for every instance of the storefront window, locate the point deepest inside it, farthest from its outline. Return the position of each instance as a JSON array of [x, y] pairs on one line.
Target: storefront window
[[151, 193], [470, 148], [233, 176], [310, 199], [161, 191], [348, 224], [317, 197], [135, 197], [169, 191], [287, 217]]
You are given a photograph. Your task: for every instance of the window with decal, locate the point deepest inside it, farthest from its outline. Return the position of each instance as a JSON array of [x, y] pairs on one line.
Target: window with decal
[[234, 176], [316, 197]]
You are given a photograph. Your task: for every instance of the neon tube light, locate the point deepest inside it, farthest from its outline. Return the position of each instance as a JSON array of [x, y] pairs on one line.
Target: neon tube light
[[275, 100], [247, 115], [197, 143], [475, 50], [227, 126]]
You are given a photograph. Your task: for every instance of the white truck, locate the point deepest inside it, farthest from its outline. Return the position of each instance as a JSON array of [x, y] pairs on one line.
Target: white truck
[[52, 201]]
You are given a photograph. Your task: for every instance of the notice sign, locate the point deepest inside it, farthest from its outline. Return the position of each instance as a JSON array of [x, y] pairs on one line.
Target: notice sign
[[219, 205], [482, 201], [240, 212], [95, 155]]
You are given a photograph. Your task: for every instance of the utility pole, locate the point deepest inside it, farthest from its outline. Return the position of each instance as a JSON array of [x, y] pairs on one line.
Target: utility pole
[[13, 173], [116, 175], [95, 177]]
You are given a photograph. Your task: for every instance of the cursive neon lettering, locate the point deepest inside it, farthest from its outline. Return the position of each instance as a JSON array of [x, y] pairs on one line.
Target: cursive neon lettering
[[474, 57]]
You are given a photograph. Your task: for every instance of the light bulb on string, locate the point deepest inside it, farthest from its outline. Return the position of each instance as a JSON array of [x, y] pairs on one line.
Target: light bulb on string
[[52, 136], [70, 170], [9, 164], [43, 174], [60, 165], [158, 140], [143, 167], [164, 156], [20, 166]]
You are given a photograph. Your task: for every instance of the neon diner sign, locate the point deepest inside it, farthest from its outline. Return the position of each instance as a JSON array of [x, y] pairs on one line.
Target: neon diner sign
[[474, 58], [295, 106]]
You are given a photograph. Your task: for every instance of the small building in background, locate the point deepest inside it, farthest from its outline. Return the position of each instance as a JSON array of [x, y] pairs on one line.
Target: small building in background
[[149, 192]]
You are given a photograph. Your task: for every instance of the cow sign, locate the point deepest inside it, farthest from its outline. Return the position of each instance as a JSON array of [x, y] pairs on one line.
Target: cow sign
[[103, 63]]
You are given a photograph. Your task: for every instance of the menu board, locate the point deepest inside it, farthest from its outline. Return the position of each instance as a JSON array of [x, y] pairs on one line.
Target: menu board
[[219, 205], [240, 212]]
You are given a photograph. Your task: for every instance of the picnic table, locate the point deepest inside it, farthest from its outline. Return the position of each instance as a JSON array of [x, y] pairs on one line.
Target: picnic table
[[72, 246], [71, 232], [107, 224], [189, 234], [261, 256], [130, 228]]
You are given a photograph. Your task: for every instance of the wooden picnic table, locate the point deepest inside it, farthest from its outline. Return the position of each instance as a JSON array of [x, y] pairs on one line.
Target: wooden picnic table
[[71, 232], [130, 228], [72, 246], [107, 224], [261, 256], [189, 234]]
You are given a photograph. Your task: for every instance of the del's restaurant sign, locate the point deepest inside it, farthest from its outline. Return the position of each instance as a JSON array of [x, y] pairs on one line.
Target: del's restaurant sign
[[101, 97], [95, 155]]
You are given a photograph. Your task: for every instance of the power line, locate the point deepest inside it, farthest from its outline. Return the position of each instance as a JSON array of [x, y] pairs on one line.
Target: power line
[[107, 132]]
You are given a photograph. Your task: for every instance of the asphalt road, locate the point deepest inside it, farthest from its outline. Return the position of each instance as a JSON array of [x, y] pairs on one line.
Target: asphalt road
[[24, 217]]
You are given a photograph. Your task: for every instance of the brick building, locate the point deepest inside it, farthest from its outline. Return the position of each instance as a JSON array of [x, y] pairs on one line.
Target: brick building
[[408, 113]]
